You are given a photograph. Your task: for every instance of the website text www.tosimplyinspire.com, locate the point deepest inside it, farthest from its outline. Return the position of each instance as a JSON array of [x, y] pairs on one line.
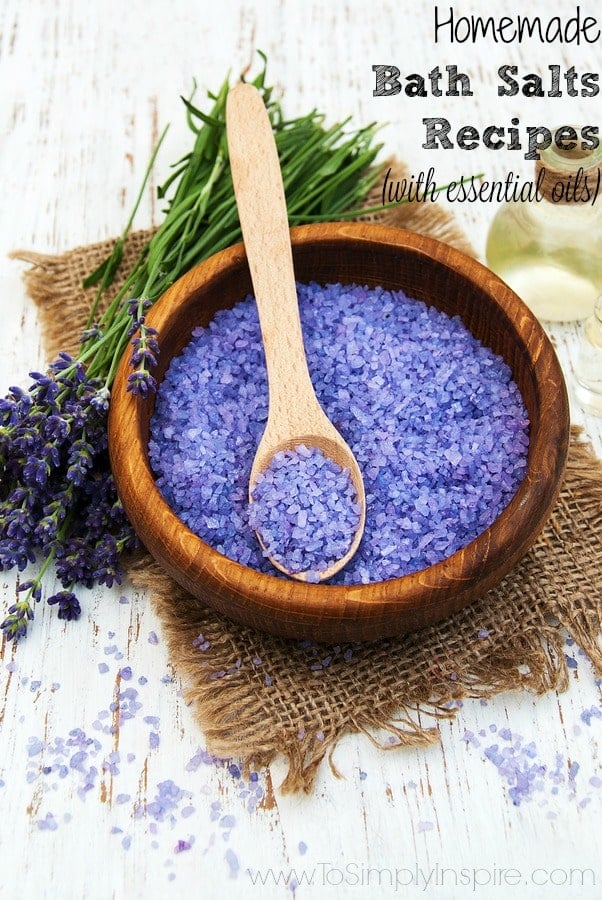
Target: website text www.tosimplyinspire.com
[[360, 875]]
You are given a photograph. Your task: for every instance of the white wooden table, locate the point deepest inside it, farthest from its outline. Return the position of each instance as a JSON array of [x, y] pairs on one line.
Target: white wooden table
[[84, 89]]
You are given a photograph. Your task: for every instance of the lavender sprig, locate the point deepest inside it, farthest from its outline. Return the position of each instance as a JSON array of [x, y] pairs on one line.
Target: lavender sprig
[[58, 500], [145, 349], [68, 605], [21, 612]]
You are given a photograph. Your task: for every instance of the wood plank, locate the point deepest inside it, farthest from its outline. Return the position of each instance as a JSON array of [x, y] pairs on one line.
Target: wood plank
[[86, 89]]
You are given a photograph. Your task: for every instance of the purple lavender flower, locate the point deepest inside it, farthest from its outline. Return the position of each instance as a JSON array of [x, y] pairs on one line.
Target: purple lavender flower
[[45, 389], [79, 461], [57, 495], [91, 334], [100, 400], [136, 308], [62, 362], [15, 624], [35, 472], [20, 613], [68, 605], [141, 383], [31, 587], [145, 349], [13, 554]]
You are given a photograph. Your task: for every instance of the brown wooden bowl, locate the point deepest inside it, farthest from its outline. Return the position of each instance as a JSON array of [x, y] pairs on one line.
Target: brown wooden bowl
[[427, 270]]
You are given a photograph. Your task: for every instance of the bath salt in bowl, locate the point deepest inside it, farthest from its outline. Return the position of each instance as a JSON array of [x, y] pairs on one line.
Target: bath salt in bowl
[[433, 417], [441, 380]]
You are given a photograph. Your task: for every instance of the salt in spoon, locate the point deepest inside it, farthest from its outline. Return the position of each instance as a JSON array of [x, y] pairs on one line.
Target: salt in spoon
[[295, 416]]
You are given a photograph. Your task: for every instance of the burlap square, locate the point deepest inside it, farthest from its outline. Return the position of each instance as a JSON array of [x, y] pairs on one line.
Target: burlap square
[[256, 695]]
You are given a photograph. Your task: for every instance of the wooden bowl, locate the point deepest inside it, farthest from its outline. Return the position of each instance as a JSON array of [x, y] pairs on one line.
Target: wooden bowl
[[374, 255]]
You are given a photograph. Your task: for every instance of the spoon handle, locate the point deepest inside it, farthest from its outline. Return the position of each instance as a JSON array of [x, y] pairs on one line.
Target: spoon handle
[[259, 190]]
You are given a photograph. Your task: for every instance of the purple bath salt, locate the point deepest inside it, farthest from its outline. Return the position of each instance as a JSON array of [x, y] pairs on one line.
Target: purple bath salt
[[305, 510], [434, 419]]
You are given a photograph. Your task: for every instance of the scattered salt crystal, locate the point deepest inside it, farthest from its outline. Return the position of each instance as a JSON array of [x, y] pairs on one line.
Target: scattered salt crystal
[[470, 738], [34, 746], [181, 846], [48, 823], [201, 756], [592, 713], [233, 863]]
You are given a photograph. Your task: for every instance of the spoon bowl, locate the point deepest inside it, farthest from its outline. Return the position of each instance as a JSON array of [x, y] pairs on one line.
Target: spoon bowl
[[295, 416], [326, 439]]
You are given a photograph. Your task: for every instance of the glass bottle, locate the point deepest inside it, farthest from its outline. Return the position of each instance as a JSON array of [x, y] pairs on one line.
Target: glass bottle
[[588, 369], [549, 249]]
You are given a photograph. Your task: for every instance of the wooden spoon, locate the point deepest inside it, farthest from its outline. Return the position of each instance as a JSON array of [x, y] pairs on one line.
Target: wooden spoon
[[295, 415]]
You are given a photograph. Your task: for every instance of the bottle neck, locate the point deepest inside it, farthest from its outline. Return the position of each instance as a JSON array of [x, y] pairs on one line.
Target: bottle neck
[[569, 176]]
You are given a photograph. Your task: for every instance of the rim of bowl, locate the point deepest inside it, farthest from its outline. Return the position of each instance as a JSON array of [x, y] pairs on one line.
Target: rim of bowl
[[420, 596]]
